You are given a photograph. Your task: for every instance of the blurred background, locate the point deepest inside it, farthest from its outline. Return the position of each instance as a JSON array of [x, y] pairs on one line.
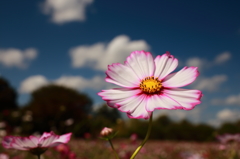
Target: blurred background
[[54, 54]]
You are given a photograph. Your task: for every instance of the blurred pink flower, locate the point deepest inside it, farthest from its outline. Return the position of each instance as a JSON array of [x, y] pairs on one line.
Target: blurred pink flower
[[143, 150], [222, 147], [133, 138], [72, 155], [227, 138], [36, 145], [62, 149], [4, 156], [148, 85]]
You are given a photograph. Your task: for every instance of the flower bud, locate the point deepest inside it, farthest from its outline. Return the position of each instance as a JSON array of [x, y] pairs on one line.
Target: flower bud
[[106, 132]]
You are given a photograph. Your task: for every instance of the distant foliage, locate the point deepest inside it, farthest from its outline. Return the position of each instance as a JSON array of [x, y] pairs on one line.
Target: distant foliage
[[58, 108], [232, 128], [8, 96], [104, 116], [163, 128]]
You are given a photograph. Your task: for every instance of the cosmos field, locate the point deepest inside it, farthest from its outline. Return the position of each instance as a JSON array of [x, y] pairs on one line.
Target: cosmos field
[[97, 149]]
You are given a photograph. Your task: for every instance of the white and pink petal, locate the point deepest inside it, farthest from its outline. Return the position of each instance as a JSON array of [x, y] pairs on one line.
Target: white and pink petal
[[140, 112], [161, 101], [165, 64], [134, 106], [122, 75], [187, 98], [63, 139], [116, 95], [22, 143], [34, 140], [47, 141], [141, 63], [181, 78], [45, 135]]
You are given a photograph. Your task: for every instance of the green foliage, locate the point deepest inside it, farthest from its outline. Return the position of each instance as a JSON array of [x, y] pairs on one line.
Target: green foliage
[[51, 106], [232, 128], [104, 116], [108, 113], [8, 96], [164, 128]]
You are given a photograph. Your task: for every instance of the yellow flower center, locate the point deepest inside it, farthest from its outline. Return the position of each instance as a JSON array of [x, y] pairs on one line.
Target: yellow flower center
[[150, 85]]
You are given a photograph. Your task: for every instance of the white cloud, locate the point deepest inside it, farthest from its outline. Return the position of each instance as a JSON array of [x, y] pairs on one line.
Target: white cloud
[[228, 115], [14, 57], [233, 100], [225, 115], [223, 57], [99, 55], [32, 83], [204, 63], [197, 62], [230, 100], [210, 84], [63, 11], [76, 82]]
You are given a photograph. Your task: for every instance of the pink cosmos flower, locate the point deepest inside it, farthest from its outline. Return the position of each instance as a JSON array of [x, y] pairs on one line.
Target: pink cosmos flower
[[36, 145], [189, 155], [228, 138], [148, 85]]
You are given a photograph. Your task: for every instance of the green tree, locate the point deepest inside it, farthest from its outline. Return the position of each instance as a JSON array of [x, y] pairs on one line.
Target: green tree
[[8, 96], [51, 107]]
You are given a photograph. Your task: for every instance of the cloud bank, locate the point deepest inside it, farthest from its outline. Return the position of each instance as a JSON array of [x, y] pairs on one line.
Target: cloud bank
[[204, 63], [32, 83], [99, 55], [210, 84], [225, 115], [232, 100]]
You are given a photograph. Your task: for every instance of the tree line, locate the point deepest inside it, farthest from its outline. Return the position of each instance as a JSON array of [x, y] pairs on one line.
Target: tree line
[[61, 109]]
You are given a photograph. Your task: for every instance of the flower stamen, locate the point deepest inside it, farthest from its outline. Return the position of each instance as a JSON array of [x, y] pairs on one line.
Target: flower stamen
[[151, 85]]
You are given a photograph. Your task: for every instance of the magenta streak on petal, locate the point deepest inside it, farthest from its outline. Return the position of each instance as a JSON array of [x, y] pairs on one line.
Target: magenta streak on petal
[[6, 142], [139, 117]]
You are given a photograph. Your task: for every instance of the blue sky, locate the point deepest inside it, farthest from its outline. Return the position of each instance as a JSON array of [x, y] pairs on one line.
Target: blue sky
[[71, 42]]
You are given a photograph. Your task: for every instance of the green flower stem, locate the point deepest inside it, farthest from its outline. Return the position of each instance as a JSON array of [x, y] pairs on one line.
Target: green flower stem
[[109, 140], [38, 156], [145, 140]]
